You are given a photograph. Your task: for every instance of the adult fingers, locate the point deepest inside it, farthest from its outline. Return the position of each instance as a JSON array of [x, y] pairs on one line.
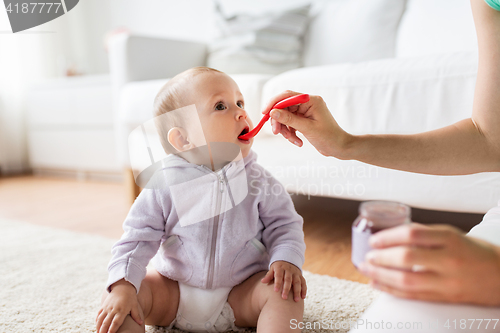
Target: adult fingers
[[281, 96], [276, 126], [294, 138], [287, 285], [289, 133], [406, 257], [420, 295], [269, 276], [285, 117], [414, 234], [402, 280], [284, 130]]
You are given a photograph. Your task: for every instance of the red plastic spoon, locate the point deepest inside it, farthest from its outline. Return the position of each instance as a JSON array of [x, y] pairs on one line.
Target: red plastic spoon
[[294, 100]]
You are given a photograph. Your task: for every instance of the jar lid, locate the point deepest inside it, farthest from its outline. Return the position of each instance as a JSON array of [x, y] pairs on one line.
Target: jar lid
[[385, 214]]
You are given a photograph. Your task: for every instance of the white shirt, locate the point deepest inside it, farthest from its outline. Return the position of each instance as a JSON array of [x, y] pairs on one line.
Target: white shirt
[[489, 228]]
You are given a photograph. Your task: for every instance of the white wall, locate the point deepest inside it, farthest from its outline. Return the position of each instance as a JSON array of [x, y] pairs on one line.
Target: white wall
[[182, 19], [79, 36], [21, 62], [83, 29]]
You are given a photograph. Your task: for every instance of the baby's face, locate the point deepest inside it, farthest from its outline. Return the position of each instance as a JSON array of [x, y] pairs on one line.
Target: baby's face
[[221, 110]]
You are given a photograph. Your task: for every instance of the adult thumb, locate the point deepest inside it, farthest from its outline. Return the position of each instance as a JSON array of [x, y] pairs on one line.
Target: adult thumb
[[289, 119]]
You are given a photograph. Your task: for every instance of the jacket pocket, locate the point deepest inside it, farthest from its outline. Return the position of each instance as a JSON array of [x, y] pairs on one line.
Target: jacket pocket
[[250, 260], [172, 250]]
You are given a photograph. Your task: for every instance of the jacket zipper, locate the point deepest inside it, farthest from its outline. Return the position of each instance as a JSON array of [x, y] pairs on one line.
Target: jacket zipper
[[211, 263]]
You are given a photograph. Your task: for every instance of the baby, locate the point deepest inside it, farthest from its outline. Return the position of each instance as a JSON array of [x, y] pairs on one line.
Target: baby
[[239, 264]]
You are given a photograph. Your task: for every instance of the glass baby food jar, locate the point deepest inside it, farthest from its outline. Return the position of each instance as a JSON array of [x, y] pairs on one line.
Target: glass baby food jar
[[373, 217]]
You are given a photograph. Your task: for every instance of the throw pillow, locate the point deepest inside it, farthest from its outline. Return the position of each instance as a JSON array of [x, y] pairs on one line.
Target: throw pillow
[[252, 41]]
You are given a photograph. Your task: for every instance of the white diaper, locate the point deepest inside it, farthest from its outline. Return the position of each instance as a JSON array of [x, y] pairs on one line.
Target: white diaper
[[204, 310]]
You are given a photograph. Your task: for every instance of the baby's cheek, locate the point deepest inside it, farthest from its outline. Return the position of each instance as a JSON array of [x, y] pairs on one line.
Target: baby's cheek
[[223, 132], [199, 139]]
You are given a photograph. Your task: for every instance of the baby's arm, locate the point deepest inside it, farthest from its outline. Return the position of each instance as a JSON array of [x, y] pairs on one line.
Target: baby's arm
[[284, 239], [144, 228]]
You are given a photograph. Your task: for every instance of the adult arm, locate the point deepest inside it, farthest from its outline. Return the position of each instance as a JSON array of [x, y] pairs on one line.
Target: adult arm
[[468, 146]]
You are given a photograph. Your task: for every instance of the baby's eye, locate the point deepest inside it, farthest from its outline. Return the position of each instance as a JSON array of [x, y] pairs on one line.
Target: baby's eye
[[220, 106], [241, 104]]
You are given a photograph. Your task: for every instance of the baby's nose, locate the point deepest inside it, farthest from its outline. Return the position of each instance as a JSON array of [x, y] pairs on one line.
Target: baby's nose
[[241, 114]]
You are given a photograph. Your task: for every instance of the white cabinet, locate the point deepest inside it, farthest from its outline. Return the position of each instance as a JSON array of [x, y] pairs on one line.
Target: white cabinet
[[70, 125]]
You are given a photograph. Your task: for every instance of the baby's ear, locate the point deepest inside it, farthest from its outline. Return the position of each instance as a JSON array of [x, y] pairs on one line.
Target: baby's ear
[[177, 137]]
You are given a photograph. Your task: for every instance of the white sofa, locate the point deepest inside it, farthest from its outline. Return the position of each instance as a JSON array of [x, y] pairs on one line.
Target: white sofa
[[396, 66]]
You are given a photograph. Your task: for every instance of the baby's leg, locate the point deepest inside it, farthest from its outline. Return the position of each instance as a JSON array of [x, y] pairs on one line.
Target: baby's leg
[[256, 304], [158, 299]]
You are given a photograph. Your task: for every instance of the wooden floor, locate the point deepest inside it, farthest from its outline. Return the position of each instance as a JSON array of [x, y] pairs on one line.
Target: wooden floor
[[100, 208]]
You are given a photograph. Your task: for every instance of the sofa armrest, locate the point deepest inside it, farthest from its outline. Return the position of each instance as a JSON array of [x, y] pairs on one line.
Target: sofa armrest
[[138, 58]]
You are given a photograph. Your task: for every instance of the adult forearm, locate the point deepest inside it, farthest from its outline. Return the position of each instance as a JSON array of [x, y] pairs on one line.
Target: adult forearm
[[457, 149]]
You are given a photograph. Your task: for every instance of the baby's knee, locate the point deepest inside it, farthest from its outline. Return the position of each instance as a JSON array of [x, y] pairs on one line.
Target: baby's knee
[[271, 294], [130, 326]]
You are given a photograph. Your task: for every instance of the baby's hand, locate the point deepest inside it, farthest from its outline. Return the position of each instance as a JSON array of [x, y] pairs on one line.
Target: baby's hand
[[118, 304], [291, 274]]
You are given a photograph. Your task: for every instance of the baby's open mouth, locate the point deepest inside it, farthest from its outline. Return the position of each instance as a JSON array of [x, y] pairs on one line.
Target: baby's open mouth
[[245, 131]]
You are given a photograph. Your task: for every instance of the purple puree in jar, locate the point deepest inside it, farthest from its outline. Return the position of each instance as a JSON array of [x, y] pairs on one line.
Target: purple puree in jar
[[373, 217]]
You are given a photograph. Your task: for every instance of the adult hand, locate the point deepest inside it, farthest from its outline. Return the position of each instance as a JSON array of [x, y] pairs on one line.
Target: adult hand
[[313, 119], [434, 263]]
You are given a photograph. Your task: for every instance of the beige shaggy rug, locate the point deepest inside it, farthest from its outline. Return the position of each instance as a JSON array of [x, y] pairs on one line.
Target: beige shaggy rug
[[51, 280]]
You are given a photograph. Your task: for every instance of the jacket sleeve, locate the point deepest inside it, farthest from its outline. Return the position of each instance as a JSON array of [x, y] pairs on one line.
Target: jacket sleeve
[[282, 235], [144, 228]]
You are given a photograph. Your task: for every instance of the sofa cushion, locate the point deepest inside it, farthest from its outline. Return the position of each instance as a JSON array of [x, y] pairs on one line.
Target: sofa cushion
[[305, 171], [400, 95], [353, 31], [436, 26]]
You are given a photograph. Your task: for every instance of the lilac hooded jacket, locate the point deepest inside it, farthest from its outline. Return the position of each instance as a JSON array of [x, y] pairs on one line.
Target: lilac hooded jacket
[[208, 229]]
